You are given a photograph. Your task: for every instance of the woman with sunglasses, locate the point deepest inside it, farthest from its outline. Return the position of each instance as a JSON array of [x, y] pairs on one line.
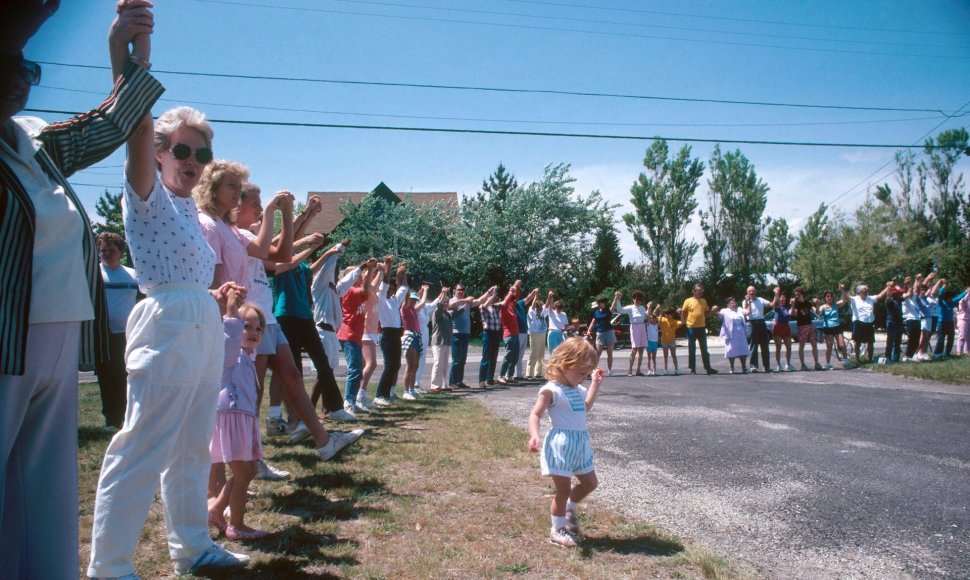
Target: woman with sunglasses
[[50, 255]]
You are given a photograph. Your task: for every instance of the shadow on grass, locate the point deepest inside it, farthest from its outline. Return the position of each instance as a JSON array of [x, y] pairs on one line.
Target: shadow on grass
[[647, 545], [310, 504], [272, 570], [90, 435], [294, 546]]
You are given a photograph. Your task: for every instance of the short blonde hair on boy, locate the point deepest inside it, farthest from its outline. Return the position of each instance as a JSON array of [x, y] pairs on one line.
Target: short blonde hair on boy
[[572, 353]]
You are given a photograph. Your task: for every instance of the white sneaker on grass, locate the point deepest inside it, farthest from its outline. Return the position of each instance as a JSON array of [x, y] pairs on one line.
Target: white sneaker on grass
[[345, 415], [363, 402], [409, 396], [300, 433], [269, 473], [382, 401], [562, 537], [418, 390], [214, 557], [337, 442]]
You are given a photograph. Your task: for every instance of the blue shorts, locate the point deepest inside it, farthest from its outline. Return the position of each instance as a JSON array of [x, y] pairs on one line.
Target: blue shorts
[[566, 452], [652, 346]]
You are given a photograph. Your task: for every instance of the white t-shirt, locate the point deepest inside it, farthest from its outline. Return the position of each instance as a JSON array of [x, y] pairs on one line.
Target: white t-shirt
[[165, 240], [557, 320], [758, 306], [260, 292], [863, 309], [568, 408], [58, 283], [121, 290], [637, 314]]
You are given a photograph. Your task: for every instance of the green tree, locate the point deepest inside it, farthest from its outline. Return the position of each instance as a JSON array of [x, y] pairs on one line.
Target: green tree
[[743, 198], [607, 259], [715, 236], [542, 235], [497, 186], [777, 250], [108, 208], [812, 251], [663, 202], [938, 167]]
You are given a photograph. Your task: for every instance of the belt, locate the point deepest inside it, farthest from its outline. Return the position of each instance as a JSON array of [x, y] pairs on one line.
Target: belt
[[325, 326]]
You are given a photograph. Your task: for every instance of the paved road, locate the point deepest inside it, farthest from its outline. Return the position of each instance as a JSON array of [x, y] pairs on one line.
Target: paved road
[[848, 474]]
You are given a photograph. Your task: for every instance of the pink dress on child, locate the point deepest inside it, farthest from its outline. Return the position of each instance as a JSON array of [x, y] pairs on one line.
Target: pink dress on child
[[236, 434]]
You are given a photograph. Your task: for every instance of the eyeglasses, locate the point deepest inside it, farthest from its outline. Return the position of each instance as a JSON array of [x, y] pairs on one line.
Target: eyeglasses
[[181, 151], [28, 70]]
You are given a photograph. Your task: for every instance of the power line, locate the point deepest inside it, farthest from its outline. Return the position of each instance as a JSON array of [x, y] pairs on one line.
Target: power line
[[580, 31], [735, 19], [886, 164], [533, 133], [591, 21], [517, 121], [517, 90]]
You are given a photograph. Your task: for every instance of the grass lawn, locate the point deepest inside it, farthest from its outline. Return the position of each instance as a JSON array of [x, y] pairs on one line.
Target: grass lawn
[[952, 370], [436, 488]]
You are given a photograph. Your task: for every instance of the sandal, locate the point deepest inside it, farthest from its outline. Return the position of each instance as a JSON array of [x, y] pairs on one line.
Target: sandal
[[629, 374], [234, 534]]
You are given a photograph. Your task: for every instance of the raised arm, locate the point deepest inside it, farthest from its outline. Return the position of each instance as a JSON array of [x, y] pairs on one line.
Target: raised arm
[[615, 306], [301, 222], [260, 247], [886, 291], [295, 261], [774, 301], [422, 297], [333, 252]]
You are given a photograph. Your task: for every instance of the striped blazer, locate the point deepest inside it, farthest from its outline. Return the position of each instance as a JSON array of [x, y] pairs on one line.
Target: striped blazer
[[66, 148]]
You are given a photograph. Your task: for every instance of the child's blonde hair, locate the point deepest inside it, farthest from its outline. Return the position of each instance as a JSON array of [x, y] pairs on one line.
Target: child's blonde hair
[[259, 312], [572, 353]]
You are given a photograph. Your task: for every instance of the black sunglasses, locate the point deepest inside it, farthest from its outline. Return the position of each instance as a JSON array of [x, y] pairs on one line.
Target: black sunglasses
[[181, 151], [28, 70]]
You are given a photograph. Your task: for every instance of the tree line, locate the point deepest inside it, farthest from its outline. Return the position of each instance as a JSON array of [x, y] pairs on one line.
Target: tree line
[[550, 236]]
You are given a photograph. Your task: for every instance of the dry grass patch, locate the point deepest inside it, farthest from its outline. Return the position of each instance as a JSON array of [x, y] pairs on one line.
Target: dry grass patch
[[437, 488]]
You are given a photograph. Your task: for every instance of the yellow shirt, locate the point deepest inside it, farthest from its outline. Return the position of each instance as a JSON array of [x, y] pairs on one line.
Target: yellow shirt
[[668, 329], [695, 312]]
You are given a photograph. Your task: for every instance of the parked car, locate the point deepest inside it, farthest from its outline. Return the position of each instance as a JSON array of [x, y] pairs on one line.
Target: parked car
[[621, 328]]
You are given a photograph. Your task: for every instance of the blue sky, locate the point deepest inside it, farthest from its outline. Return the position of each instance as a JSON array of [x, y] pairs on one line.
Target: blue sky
[[899, 54]]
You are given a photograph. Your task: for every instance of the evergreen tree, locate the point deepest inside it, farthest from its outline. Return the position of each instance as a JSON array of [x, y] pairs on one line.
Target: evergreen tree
[[496, 189], [608, 260], [778, 248], [108, 208]]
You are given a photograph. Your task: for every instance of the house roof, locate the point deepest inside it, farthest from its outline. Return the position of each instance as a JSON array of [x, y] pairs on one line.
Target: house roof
[[330, 201]]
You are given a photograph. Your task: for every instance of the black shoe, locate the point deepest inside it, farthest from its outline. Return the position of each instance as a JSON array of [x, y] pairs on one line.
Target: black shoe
[[693, 372], [711, 371]]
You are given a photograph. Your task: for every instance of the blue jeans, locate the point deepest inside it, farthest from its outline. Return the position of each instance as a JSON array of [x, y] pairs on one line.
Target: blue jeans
[[459, 355], [491, 340], [511, 356], [697, 335], [355, 367], [894, 341]]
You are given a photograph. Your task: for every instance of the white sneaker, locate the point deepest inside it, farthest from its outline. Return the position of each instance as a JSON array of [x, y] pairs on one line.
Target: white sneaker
[[345, 415], [270, 473], [419, 391], [754, 370], [337, 442], [609, 372], [790, 368], [382, 401], [214, 557], [778, 369], [363, 401], [360, 408], [409, 396], [562, 537], [275, 426], [300, 433]]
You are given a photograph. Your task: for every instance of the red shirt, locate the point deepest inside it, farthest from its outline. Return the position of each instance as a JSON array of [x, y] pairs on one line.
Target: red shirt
[[353, 309], [409, 319], [510, 322]]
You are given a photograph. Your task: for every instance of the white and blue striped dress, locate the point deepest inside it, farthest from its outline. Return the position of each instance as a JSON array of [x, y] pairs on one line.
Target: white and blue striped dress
[[566, 450]]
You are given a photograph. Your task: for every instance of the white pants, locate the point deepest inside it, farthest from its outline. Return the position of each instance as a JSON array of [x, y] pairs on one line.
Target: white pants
[[175, 353], [331, 347], [38, 457], [426, 343], [439, 369], [523, 342]]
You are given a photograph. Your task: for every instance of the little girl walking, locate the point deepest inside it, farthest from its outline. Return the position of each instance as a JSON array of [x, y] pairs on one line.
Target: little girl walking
[[566, 450], [235, 439]]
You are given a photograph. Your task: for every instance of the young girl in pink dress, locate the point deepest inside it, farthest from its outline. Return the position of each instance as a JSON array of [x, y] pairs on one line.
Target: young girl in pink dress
[[235, 439]]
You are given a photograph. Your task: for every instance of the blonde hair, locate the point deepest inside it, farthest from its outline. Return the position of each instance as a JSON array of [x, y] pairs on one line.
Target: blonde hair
[[573, 353], [213, 174], [174, 119], [259, 312]]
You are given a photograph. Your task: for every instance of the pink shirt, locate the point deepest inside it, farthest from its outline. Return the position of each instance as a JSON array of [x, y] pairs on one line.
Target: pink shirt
[[229, 247]]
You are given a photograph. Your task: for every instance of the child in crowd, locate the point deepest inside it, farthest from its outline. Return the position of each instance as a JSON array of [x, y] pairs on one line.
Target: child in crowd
[[653, 342], [669, 323], [235, 439], [566, 449]]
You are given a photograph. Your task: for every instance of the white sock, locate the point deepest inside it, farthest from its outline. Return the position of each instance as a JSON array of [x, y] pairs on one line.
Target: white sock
[[276, 412], [558, 523], [570, 505]]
